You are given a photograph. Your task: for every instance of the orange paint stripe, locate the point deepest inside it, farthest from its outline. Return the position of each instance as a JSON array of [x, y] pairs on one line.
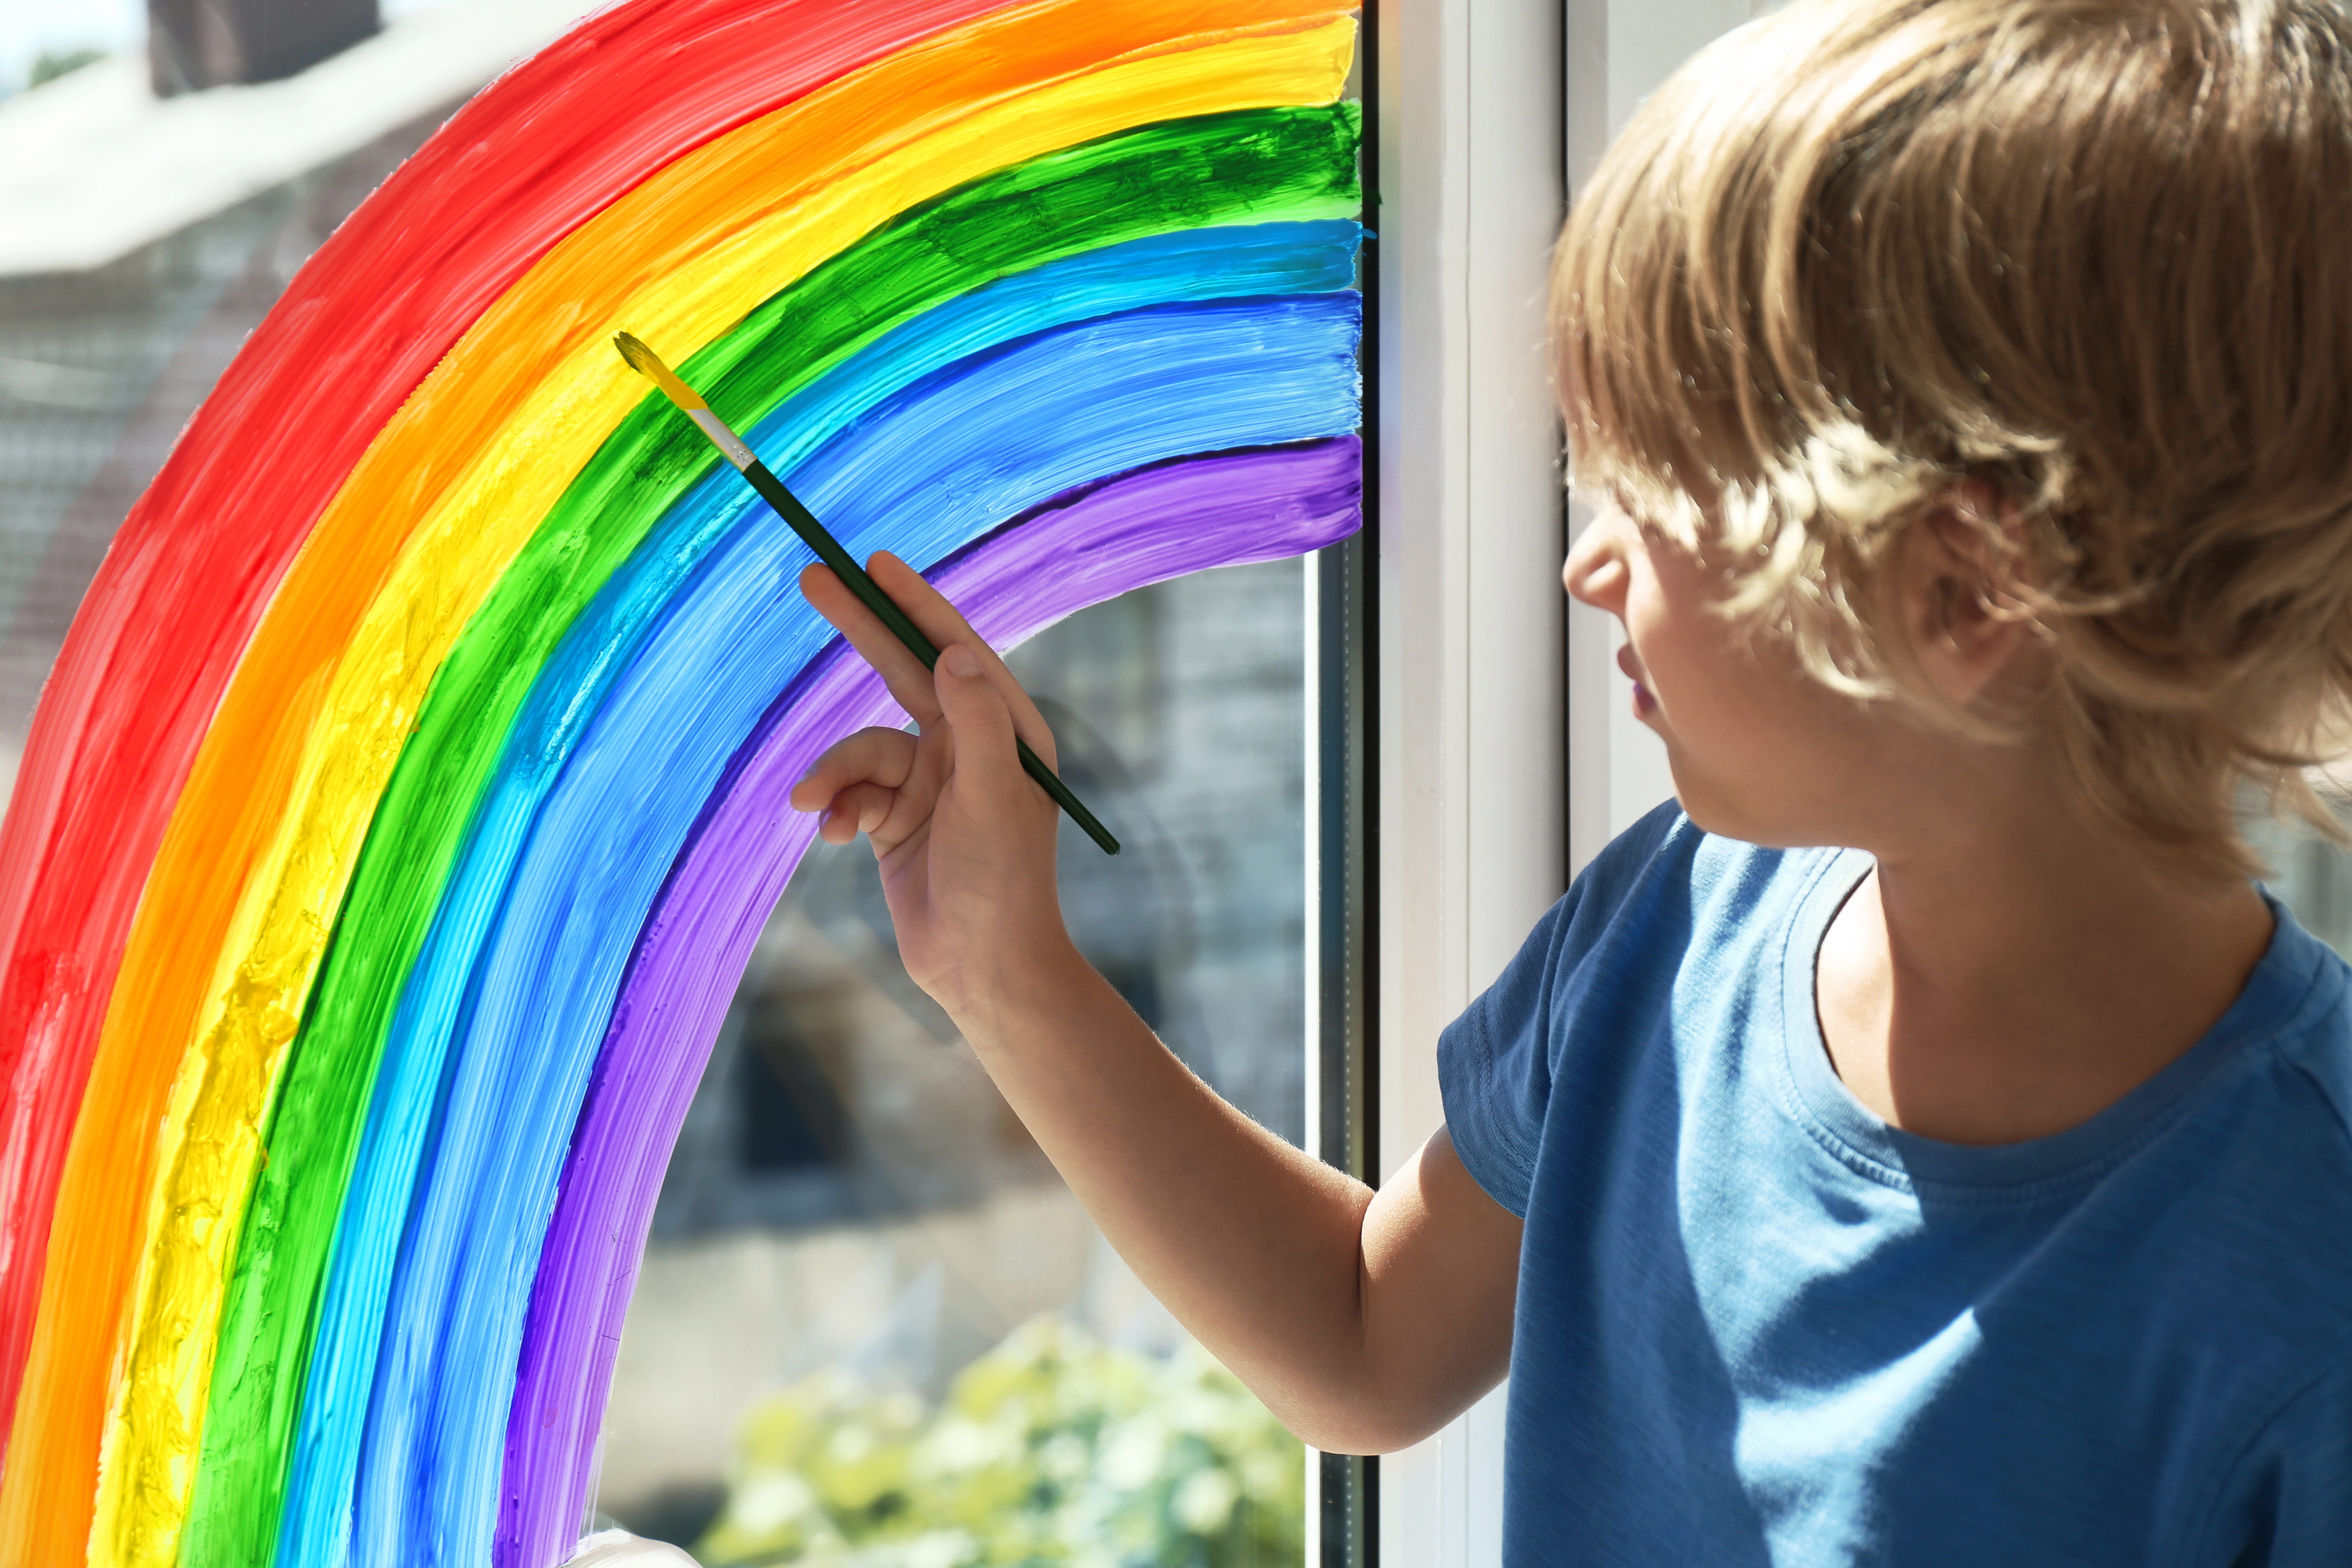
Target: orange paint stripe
[[241, 786]]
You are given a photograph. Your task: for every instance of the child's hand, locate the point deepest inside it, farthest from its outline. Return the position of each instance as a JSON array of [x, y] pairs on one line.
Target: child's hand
[[965, 839], [1365, 1323]]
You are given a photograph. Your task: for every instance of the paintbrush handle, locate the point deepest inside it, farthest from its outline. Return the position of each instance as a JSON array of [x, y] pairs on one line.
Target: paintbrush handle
[[815, 534]]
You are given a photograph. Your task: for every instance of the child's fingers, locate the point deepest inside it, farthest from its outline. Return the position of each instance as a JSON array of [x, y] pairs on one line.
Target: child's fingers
[[910, 682], [860, 808], [876, 756], [940, 621], [986, 764]]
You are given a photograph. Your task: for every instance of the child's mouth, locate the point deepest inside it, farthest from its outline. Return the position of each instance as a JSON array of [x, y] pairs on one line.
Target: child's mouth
[[1644, 704]]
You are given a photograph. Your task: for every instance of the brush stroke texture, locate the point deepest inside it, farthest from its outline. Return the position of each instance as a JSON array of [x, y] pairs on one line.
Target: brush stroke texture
[[927, 471], [1265, 162], [401, 502], [1077, 550], [334, 678], [195, 562], [355, 1314]]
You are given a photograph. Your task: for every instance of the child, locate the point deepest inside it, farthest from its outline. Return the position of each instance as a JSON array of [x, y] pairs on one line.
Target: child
[[1926, 1145]]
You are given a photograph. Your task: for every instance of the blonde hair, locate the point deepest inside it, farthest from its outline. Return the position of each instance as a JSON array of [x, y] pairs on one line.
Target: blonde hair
[[2096, 254]]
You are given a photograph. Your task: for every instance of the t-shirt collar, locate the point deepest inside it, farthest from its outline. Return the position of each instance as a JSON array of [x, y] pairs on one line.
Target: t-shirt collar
[[2284, 986]]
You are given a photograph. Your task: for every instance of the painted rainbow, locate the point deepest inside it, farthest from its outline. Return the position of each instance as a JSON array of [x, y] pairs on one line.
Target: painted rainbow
[[401, 809]]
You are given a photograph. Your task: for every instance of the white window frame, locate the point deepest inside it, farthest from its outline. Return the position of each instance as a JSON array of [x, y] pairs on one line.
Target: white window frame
[[1507, 752]]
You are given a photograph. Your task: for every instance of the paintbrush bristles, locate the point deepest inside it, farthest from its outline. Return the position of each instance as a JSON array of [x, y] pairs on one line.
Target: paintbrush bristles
[[645, 362], [641, 359]]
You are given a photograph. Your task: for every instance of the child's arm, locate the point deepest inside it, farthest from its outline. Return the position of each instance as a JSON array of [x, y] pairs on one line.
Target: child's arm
[[1365, 1321]]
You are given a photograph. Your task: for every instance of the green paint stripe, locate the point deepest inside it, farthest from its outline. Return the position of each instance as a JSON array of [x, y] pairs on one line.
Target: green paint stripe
[[1269, 165]]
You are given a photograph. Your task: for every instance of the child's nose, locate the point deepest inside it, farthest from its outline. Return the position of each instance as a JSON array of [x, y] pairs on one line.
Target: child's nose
[[1595, 572]]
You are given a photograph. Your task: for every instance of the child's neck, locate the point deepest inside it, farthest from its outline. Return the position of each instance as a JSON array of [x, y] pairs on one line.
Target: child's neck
[[1998, 987]]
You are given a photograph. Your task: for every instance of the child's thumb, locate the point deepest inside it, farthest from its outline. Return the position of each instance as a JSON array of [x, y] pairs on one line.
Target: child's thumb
[[976, 711]]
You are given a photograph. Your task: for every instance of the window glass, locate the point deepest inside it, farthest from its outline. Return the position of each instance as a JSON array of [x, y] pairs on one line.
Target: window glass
[[2309, 874], [873, 1326]]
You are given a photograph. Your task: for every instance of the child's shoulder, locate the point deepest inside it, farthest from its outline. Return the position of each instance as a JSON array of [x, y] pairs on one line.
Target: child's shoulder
[[1667, 917]]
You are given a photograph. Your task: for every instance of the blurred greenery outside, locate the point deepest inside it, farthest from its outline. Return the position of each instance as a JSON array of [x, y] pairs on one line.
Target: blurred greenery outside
[[1053, 1447], [51, 64]]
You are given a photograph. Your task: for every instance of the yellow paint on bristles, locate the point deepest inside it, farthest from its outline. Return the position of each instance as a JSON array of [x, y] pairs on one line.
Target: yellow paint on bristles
[[645, 362]]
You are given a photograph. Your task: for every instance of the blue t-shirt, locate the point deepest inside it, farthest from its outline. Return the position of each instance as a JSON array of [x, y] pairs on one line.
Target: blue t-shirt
[[1758, 1325]]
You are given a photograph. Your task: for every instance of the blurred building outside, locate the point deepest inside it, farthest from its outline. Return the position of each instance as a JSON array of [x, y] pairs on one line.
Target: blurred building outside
[[143, 237], [851, 1206]]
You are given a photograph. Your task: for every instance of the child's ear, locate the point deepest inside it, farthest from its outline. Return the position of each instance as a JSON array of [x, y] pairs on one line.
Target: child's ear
[[1964, 602]]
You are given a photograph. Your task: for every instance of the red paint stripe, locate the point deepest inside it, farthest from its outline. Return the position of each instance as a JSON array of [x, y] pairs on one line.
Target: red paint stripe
[[197, 559]]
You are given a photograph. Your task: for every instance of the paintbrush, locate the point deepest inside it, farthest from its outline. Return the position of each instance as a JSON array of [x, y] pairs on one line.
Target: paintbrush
[[803, 522]]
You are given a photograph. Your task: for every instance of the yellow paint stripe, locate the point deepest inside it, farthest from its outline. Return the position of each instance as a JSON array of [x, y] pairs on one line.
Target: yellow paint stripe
[[682, 258]]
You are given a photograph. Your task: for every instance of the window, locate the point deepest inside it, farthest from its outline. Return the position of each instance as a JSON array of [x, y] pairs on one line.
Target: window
[[871, 1315]]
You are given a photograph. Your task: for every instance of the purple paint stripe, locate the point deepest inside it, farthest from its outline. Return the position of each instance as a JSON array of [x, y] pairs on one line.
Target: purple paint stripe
[[1079, 550]]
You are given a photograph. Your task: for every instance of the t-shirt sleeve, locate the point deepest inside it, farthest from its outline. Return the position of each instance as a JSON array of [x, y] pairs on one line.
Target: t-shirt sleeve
[[1493, 1063], [1494, 1068], [2290, 1505]]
